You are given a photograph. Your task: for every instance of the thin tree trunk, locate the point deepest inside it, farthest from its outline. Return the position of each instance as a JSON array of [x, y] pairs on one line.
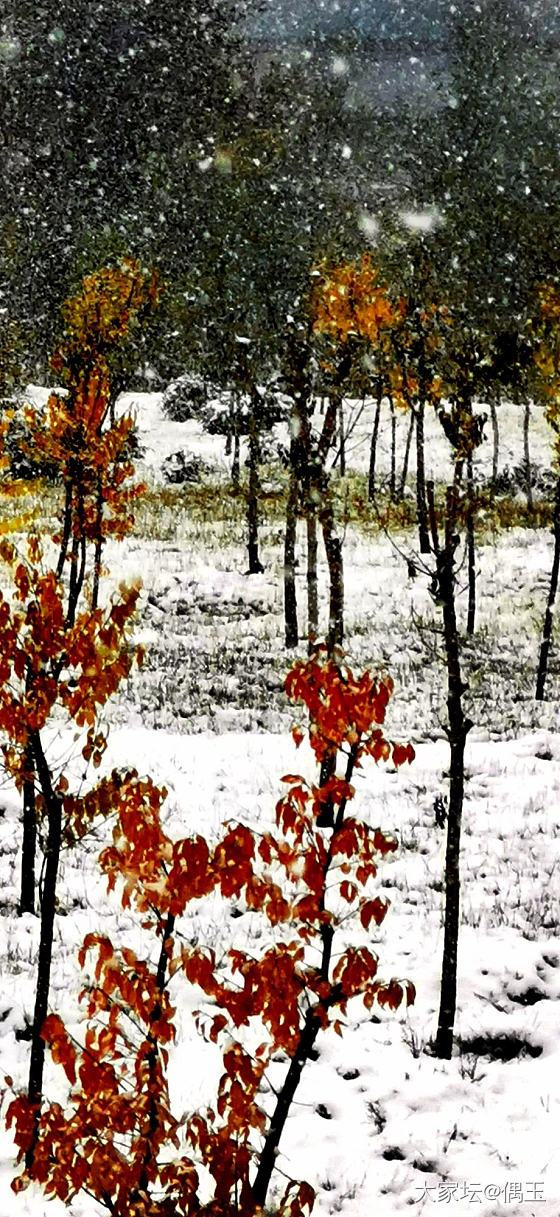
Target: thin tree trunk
[[151, 1062], [495, 438], [290, 596], [471, 559], [448, 988], [457, 729], [267, 1161], [549, 611], [255, 564], [404, 472], [314, 1017], [312, 581], [325, 817], [527, 455], [48, 907], [393, 476], [342, 448], [29, 843], [66, 527], [373, 445], [236, 461], [333, 551], [77, 558], [421, 508], [98, 552]]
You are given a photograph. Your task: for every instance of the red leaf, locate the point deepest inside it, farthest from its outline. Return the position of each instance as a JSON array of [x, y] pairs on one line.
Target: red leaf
[[390, 995], [373, 910], [63, 1052], [402, 753]]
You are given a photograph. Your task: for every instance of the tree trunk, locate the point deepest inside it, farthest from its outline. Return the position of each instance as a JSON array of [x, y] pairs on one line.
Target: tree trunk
[[66, 528], [312, 581], [342, 440], [373, 445], [314, 1017], [549, 611], [342, 445], [393, 476], [77, 556], [527, 455], [267, 1160], [495, 438], [448, 988], [48, 907], [236, 460], [471, 559], [325, 817], [27, 890], [98, 545], [319, 486], [333, 551], [421, 508], [255, 564], [404, 472], [142, 1189], [290, 535], [458, 728]]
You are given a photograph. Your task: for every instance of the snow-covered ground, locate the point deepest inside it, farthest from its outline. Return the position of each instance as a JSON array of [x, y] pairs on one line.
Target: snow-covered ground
[[379, 1125]]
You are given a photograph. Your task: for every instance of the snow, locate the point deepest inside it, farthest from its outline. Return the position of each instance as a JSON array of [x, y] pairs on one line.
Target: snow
[[379, 1125]]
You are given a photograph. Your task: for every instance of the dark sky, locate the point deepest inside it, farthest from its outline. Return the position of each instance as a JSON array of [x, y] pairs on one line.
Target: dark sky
[[401, 21], [384, 19]]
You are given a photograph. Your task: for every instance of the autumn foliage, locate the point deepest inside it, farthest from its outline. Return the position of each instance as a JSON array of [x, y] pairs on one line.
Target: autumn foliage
[[349, 301], [392, 337], [57, 646], [116, 1136], [405, 340], [63, 654]]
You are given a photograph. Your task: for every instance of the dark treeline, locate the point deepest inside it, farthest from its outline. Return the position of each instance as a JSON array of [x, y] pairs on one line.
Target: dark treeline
[[193, 137]]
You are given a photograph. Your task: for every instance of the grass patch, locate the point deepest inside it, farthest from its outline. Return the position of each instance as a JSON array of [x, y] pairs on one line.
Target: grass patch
[[493, 513], [165, 513], [498, 513], [213, 514], [23, 502], [500, 1047]]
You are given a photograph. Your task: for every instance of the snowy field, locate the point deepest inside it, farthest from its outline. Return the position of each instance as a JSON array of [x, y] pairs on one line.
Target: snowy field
[[379, 1126]]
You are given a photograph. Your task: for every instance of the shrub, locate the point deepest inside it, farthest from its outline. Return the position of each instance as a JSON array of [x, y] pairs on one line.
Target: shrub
[[184, 399], [181, 467]]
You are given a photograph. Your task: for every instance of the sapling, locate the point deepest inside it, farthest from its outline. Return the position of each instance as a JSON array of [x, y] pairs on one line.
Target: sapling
[[116, 1137], [458, 727], [59, 650], [353, 315]]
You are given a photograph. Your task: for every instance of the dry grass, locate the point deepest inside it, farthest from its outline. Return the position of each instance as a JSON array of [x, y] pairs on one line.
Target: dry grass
[[168, 513], [493, 513]]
